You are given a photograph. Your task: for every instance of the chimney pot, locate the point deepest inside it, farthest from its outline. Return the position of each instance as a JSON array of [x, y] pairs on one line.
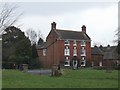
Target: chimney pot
[[53, 25], [84, 28], [108, 45]]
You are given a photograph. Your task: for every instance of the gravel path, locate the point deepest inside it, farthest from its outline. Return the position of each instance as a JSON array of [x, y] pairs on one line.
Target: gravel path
[[40, 72]]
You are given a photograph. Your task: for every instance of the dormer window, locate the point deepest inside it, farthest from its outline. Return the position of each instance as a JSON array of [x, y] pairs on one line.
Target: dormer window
[[74, 43], [67, 42], [83, 43]]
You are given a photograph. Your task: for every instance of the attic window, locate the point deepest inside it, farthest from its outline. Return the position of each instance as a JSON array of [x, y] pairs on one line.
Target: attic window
[[82, 43], [67, 42], [74, 43]]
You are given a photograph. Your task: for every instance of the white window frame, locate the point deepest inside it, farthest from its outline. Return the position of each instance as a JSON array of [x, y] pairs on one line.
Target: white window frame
[[67, 51], [44, 52], [83, 43]]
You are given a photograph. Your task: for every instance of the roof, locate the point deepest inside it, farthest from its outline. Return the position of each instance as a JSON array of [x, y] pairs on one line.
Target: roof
[[96, 51], [67, 34], [109, 52]]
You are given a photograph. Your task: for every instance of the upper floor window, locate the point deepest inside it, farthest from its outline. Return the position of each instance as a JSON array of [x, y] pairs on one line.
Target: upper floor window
[[83, 53], [83, 43], [83, 61], [75, 51], [74, 43], [67, 51], [44, 52], [67, 42]]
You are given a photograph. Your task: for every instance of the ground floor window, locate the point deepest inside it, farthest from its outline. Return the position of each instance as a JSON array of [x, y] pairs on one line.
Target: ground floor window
[[100, 63], [83, 63], [67, 61]]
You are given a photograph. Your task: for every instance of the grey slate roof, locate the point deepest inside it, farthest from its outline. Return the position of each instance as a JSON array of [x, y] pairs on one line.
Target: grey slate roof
[[96, 51], [109, 52], [67, 34]]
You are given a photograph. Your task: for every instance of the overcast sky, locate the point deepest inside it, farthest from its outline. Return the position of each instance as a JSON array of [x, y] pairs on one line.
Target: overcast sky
[[100, 18]]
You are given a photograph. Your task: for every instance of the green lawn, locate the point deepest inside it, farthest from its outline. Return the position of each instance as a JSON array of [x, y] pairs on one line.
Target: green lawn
[[82, 78]]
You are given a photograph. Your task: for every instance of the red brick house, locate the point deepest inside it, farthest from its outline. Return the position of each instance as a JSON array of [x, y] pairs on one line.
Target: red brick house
[[65, 47]]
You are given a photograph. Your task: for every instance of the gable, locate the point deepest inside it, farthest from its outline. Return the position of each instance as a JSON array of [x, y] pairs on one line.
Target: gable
[[52, 34]]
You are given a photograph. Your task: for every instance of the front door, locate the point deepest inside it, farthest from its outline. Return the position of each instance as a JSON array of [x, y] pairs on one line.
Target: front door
[[75, 64]]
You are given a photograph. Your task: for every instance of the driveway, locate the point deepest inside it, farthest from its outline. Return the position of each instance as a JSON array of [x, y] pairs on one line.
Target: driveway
[[40, 72]]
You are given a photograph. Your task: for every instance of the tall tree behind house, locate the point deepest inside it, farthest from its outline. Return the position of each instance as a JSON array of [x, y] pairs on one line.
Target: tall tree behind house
[[16, 47]]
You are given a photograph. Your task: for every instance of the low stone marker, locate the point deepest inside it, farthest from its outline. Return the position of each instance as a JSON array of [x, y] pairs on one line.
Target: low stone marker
[[25, 67], [56, 71]]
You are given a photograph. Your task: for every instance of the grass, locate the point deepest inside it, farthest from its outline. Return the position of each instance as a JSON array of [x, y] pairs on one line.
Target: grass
[[82, 78], [0, 79]]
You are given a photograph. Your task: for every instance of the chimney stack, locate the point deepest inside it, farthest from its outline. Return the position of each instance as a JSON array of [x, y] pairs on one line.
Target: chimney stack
[[53, 25], [84, 28]]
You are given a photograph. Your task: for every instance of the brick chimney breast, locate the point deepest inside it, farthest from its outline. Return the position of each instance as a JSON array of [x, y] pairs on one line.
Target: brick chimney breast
[[84, 28], [53, 25]]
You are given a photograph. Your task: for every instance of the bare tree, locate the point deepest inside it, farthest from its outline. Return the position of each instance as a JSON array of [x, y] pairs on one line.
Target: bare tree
[[39, 35], [8, 15], [32, 35]]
